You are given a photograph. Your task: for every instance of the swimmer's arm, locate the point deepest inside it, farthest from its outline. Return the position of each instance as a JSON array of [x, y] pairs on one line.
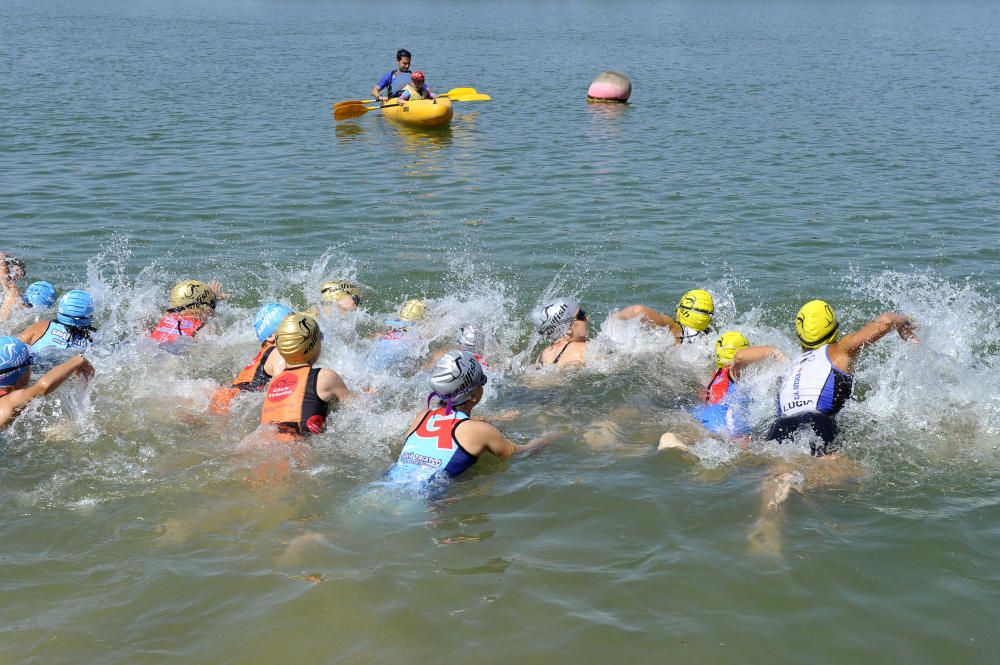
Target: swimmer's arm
[[11, 294], [755, 354], [329, 385], [852, 344], [216, 287], [434, 357], [33, 333], [503, 416], [17, 400], [652, 316]]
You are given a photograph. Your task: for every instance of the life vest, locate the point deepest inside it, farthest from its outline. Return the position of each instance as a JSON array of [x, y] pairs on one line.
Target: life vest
[[431, 448], [292, 404], [718, 386], [252, 378], [417, 93], [60, 336], [173, 326], [814, 384]]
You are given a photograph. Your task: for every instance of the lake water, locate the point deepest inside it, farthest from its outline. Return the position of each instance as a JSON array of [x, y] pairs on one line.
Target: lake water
[[772, 152]]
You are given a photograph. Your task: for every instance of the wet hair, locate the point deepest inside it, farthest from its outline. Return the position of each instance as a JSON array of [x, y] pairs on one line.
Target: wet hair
[[402, 53], [14, 263]]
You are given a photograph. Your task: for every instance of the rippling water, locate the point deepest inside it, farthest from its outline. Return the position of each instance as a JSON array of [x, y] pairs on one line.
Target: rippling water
[[772, 152]]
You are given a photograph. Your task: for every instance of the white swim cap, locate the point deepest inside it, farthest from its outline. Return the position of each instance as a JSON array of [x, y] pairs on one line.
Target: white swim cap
[[553, 319], [455, 377]]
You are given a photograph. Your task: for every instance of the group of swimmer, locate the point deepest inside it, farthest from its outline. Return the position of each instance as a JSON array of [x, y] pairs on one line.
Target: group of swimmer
[[444, 439]]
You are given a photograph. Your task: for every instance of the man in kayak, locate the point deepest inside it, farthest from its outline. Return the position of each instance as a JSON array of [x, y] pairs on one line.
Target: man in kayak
[[416, 88], [394, 81]]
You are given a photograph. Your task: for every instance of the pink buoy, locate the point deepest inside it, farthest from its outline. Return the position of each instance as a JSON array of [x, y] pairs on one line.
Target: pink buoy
[[610, 87]]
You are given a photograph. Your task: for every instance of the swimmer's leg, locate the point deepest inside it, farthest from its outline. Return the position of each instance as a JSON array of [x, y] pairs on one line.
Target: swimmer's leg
[[765, 537]]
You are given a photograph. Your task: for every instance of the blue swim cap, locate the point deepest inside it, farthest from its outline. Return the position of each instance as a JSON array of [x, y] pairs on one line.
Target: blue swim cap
[[15, 358], [39, 294], [268, 318], [76, 308]]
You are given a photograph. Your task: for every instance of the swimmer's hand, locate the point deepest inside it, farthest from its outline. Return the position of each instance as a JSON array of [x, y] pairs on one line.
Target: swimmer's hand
[[85, 370], [216, 287], [907, 331], [370, 390]]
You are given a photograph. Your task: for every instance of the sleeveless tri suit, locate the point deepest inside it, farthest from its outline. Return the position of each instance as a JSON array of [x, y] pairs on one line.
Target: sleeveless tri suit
[[252, 378], [812, 393], [431, 451], [58, 336], [292, 404], [173, 327], [725, 409]]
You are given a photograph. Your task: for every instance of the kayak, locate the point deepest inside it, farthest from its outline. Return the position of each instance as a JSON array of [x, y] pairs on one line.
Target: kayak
[[420, 112]]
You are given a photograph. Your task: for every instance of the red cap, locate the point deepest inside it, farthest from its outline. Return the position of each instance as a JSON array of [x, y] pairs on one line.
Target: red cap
[[417, 75]]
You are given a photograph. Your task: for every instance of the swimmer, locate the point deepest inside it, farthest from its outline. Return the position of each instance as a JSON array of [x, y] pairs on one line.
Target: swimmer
[[298, 399], [435, 448], [470, 338], [192, 304], [562, 322], [813, 391], [340, 294], [12, 269], [265, 365], [69, 331], [724, 412], [392, 351], [692, 319], [15, 374], [39, 295]]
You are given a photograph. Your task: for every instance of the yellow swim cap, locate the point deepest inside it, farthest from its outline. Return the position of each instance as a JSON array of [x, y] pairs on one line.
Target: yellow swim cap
[[297, 339], [695, 310], [727, 346], [816, 324], [413, 310], [334, 290], [190, 294]]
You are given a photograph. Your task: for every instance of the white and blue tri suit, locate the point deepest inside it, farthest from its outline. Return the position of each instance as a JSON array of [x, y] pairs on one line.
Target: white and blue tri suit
[[812, 393], [431, 451]]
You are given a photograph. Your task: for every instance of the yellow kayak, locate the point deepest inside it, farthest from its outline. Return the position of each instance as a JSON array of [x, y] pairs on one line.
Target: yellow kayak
[[420, 112]]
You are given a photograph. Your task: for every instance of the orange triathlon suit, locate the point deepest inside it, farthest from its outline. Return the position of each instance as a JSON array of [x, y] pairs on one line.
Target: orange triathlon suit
[[174, 326], [292, 403], [252, 378]]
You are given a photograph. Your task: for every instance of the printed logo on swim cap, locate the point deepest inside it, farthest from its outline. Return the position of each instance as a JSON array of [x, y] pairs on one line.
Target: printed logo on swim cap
[[552, 320]]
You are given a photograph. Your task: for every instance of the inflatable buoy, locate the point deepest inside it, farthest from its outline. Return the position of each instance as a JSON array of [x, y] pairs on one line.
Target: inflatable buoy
[[610, 87]]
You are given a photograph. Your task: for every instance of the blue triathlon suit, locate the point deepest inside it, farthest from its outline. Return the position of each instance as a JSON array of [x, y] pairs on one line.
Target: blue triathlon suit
[[60, 337], [726, 411], [431, 451]]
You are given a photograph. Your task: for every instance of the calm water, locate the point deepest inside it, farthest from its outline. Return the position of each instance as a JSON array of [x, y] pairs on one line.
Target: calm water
[[773, 152]]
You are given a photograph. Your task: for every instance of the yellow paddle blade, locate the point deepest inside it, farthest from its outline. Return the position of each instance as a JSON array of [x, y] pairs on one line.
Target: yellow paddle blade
[[460, 91], [350, 111], [476, 97], [353, 102]]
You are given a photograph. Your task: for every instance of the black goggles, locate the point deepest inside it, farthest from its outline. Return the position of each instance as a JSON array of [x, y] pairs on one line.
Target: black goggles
[[8, 370], [581, 315]]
